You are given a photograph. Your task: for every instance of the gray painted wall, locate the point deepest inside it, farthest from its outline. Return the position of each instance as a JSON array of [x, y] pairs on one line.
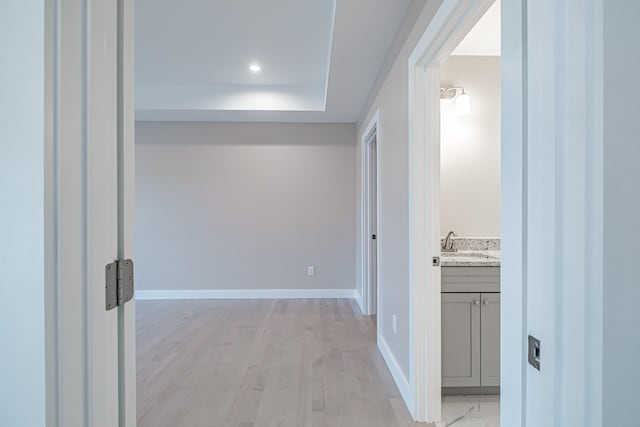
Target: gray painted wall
[[22, 108], [393, 228], [245, 206], [621, 214], [470, 149]]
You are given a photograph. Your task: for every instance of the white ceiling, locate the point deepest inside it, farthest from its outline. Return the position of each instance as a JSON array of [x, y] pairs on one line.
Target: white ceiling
[[484, 38], [319, 58]]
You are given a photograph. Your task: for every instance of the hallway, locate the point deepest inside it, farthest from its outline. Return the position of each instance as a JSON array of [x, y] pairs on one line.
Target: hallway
[[262, 363]]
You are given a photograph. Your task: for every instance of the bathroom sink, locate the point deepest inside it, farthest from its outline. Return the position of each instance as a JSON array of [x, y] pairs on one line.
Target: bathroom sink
[[466, 254], [470, 258]]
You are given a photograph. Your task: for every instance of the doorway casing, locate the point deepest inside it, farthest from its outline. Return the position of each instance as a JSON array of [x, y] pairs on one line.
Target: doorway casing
[[370, 292]]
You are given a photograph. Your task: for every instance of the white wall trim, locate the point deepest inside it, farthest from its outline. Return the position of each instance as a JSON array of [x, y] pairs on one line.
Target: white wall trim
[[245, 294], [452, 22], [358, 298], [396, 372]]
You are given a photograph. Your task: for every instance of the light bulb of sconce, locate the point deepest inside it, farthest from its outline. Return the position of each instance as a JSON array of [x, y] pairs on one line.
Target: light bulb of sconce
[[463, 104]]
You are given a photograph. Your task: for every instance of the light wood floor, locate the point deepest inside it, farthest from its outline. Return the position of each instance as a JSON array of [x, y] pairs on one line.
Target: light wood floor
[[262, 363]]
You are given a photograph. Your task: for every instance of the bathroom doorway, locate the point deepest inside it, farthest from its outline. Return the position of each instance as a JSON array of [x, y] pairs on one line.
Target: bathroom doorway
[[470, 189], [441, 241]]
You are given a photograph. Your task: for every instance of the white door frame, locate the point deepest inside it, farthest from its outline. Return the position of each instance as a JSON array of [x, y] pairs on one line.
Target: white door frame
[[126, 206], [370, 305]]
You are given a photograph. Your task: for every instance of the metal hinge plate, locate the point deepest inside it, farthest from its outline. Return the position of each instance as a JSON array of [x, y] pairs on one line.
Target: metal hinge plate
[[118, 283]]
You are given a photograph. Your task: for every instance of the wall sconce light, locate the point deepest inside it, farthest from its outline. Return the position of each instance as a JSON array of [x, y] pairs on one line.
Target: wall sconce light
[[462, 100]]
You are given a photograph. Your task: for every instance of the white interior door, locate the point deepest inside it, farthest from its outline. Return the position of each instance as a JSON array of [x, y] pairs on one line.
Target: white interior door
[[563, 201], [542, 261]]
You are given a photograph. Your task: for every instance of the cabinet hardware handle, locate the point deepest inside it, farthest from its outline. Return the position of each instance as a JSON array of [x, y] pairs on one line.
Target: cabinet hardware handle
[[476, 302], [486, 302]]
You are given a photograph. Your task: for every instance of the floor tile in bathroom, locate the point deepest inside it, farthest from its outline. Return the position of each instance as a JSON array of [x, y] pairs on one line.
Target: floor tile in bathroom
[[470, 411]]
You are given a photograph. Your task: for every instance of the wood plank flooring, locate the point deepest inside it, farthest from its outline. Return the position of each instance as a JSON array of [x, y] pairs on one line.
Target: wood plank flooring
[[255, 363]]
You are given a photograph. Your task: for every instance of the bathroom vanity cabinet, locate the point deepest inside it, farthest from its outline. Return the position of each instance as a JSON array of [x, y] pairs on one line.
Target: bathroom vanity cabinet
[[471, 329]]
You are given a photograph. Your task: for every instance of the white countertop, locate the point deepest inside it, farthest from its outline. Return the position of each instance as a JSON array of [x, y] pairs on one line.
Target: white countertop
[[470, 258]]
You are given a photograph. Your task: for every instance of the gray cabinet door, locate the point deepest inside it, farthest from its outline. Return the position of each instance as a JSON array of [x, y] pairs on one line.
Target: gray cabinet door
[[490, 339], [460, 339]]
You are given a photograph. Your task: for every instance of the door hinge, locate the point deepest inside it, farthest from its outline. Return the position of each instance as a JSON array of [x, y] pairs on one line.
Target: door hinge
[[118, 283]]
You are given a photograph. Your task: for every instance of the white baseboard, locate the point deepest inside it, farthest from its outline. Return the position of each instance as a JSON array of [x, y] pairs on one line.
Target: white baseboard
[[396, 372], [359, 300], [246, 294]]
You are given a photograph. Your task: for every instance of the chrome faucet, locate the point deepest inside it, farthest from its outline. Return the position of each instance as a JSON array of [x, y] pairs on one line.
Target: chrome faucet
[[448, 243]]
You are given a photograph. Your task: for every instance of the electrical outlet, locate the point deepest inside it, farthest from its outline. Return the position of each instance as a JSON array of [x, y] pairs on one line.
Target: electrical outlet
[[311, 270], [394, 320]]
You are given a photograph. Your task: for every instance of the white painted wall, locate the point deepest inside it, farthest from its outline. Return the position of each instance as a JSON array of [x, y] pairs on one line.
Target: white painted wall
[[470, 149], [235, 206], [622, 209], [393, 229], [22, 108]]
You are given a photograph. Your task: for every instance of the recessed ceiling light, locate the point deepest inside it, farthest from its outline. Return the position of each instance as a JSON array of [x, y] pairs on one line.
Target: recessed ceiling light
[[255, 68]]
